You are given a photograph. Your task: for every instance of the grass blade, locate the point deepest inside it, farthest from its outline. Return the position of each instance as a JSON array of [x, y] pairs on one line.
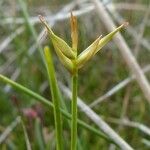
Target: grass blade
[[55, 97], [39, 135], [46, 102]]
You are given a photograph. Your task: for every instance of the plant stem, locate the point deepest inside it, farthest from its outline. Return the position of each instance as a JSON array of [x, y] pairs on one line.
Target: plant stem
[[55, 97], [74, 112], [48, 103]]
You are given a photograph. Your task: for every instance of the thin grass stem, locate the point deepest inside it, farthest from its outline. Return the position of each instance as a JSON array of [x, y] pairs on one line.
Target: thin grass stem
[[48, 103], [74, 112]]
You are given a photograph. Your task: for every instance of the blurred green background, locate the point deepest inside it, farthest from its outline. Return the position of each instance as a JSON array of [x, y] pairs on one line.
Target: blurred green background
[[20, 60]]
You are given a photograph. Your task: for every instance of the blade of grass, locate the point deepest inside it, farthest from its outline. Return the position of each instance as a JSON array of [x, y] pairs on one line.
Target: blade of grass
[[39, 135], [46, 102], [28, 145], [9, 129], [58, 92], [55, 97]]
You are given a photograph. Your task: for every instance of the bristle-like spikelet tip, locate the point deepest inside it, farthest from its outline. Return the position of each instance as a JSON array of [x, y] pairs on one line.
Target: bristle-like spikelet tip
[[42, 19], [125, 24], [100, 36]]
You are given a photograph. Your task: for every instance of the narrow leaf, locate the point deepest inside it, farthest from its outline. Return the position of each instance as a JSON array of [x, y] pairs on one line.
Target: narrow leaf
[[55, 97], [28, 144], [39, 135], [48, 103]]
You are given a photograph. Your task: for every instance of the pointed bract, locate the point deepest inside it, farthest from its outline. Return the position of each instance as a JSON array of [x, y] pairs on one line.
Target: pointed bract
[[65, 61], [59, 44], [108, 37], [88, 53], [42, 19], [74, 32]]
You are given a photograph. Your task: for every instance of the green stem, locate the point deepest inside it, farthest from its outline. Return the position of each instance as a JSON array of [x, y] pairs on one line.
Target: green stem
[[74, 112], [55, 97], [48, 103]]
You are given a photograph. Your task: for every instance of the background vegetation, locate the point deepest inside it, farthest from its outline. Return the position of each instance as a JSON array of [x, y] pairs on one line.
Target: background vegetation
[[126, 111]]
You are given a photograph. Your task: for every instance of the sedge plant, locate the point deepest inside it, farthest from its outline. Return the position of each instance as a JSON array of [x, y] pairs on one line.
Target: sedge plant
[[73, 61]]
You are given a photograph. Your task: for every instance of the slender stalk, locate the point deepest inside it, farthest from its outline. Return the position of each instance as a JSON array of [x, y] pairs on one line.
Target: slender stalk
[[74, 112], [28, 144], [55, 97], [48, 103]]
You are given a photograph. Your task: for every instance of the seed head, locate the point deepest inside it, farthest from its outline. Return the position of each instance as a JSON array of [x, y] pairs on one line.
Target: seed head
[[68, 55]]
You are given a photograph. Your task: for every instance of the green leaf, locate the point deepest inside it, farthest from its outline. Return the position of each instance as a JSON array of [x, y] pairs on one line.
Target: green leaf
[[55, 97], [39, 135]]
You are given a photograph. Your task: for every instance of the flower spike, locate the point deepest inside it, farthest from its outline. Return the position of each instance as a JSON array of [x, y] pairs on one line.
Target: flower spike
[[67, 55]]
